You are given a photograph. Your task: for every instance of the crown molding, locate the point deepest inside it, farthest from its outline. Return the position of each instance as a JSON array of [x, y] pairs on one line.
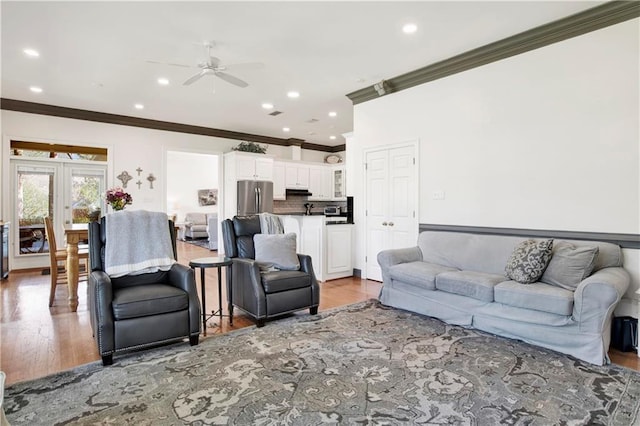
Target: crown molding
[[125, 120], [607, 14]]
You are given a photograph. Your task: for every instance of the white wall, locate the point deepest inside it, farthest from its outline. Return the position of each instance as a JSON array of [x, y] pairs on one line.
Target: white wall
[[129, 148], [186, 174], [548, 139]]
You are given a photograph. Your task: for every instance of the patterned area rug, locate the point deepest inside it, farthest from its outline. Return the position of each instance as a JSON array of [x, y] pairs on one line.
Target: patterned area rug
[[362, 364]]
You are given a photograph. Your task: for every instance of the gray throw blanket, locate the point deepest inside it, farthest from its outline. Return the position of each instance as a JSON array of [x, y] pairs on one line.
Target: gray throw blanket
[[270, 224], [138, 242]]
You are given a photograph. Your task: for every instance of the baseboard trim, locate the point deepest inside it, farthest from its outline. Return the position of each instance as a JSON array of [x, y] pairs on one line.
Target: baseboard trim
[[631, 241]]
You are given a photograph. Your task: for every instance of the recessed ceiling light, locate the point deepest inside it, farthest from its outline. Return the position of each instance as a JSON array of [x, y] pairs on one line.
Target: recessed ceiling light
[[267, 105], [163, 81], [409, 28], [139, 106], [293, 94], [333, 114], [35, 89], [285, 129], [332, 137], [31, 53]]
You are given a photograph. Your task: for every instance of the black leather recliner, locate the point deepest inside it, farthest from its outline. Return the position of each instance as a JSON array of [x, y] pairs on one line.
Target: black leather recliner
[[135, 311], [264, 295]]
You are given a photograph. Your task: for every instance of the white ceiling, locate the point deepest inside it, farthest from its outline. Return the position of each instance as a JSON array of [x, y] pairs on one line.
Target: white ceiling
[[94, 55]]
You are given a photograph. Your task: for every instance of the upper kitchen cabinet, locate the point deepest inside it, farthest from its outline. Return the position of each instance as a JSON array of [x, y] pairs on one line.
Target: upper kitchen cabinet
[[339, 187], [247, 166], [320, 184], [279, 188], [296, 176]]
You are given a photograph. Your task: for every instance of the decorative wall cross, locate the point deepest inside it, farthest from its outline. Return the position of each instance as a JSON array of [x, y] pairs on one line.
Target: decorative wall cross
[[124, 177], [151, 178]]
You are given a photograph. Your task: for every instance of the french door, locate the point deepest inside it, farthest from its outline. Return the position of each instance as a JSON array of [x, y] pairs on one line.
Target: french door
[[391, 198], [66, 191]]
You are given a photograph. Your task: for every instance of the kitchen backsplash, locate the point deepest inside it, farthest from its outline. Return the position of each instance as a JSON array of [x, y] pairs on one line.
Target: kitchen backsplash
[[295, 205]]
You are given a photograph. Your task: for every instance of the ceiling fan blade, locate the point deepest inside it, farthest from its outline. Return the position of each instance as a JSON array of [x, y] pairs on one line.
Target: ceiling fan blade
[[179, 65], [245, 65], [169, 63], [195, 78], [231, 79]]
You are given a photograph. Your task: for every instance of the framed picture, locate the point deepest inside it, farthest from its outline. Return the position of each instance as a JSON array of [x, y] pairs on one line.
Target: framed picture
[[207, 197]]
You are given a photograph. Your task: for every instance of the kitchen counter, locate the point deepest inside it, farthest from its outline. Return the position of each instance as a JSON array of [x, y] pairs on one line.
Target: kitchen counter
[[328, 246]]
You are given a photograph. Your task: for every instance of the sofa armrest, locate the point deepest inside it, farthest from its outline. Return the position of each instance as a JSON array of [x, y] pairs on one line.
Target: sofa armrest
[[100, 295], [388, 258], [183, 277], [597, 296]]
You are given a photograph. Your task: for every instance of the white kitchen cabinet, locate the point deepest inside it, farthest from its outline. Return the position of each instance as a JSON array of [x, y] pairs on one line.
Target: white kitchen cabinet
[[296, 176], [320, 183], [338, 251], [247, 166], [279, 188], [329, 246], [338, 184]]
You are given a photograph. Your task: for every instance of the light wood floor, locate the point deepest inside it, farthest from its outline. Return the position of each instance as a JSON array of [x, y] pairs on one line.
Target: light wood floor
[[36, 340]]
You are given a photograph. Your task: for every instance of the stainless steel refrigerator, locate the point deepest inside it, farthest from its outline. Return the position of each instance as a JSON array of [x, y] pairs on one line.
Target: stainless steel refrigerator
[[254, 197]]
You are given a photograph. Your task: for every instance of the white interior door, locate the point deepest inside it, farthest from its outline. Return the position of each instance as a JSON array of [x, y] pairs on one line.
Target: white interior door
[[391, 197]]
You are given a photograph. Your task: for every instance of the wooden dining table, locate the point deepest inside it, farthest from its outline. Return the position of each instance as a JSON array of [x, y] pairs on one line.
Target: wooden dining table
[[74, 233]]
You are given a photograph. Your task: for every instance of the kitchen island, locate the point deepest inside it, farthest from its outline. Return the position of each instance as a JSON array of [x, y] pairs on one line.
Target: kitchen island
[[328, 244]]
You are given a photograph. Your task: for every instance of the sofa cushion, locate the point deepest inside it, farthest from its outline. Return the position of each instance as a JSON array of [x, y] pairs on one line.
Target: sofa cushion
[[529, 260], [419, 274], [274, 282], [478, 285], [460, 250], [570, 264], [147, 299], [195, 219], [538, 296]]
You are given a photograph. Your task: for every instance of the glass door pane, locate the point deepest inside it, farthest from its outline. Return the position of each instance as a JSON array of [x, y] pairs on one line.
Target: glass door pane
[[87, 194], [35, 200]]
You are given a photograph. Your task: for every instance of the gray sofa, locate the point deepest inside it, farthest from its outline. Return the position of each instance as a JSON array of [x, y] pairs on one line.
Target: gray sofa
[[460, 279]]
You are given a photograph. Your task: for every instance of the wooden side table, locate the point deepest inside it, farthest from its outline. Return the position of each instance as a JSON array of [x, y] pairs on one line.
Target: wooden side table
[[212, 262]]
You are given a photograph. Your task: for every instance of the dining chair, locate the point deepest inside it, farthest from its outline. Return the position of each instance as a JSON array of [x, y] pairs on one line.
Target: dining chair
[[58, 261]]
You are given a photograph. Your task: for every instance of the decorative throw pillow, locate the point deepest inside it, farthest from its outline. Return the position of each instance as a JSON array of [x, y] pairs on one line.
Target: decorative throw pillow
[[529, 260], [570, 265], [276, 251]]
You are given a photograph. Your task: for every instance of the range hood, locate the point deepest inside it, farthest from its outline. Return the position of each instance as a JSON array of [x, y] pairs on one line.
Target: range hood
[[298, 192]]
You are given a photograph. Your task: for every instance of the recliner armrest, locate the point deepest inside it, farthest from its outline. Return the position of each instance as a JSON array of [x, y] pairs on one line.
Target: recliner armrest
[[247, 290], [100, 295], [183, 277], [307, 266]]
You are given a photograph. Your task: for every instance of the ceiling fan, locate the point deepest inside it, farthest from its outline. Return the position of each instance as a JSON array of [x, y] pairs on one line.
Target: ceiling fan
[[214, 66]]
